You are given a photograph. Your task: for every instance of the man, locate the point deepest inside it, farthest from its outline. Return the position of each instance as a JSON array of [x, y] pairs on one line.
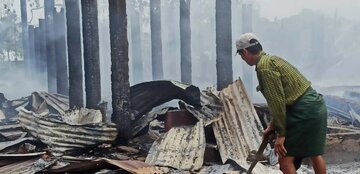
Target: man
[[299, 115]]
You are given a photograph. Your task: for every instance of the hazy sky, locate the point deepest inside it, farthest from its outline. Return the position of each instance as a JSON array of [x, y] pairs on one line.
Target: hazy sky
[[284, 8]]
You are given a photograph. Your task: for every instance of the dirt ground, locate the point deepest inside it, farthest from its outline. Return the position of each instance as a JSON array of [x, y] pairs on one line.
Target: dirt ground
[[346, 168]]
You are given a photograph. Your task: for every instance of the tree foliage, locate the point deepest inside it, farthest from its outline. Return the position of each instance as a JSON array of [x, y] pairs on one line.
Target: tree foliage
[[10, 34]]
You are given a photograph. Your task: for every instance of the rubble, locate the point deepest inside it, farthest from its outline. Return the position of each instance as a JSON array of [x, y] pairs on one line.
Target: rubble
[[8, 108], [343, 146], [144, 121], [218, 132], [88, 165], [215, 169], [231, 122], [29, 166], [128, 149], [20, 140], [64, 138], [343, 109]]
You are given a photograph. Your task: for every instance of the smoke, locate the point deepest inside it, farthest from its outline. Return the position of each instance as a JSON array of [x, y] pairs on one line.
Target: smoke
[[16, 82], [16, 79], [318, 44], [320, 41]]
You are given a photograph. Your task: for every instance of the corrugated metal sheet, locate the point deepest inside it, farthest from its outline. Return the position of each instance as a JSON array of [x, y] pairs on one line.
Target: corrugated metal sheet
[[239, 130], [152, 170], [2, 115], [21, 140], [63, 138], [146, 119], [131, 166], [216, 169], [82, 116], [10, 129], [7, 159], [145, 96], [45, 102], [27, 167], [23, 167], [8, 107], [210, 109], [180, 148]]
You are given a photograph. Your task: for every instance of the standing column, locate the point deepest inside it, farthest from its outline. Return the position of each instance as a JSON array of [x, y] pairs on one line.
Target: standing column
[[42, 51], [60, 50], [73, 24], [37, 60], [91, 53], [137, 63], [31, 41], [50, 46], [120, 87], [185, 39], [223, 43], [25, 37], [156, 43]]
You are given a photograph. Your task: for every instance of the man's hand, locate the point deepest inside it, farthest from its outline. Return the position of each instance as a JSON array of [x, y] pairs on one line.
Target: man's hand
[[267, 132], [279, 147]]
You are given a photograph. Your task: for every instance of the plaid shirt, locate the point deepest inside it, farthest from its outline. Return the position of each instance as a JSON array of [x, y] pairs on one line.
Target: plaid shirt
[[281, 84]]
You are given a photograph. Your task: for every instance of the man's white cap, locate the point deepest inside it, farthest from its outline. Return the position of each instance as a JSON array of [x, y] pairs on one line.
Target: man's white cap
[[244, 41]]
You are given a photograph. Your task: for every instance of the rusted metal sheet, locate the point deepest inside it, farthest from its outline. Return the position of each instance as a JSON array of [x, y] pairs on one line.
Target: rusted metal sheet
[[131, 166], [153, 169], [6, 159], [27, 167], [23, 167], [239, 130], [64, 138], [180, 148], [176, 118]]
